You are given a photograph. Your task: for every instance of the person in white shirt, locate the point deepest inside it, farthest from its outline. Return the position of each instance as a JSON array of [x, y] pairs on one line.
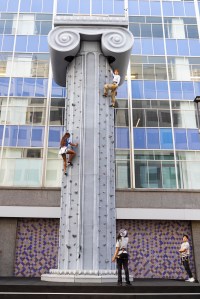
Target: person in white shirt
[[121, 256], [184, 253], [113, 87], [65, 149]]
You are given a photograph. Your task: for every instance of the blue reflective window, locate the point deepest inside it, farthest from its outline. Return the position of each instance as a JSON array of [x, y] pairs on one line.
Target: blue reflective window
[[24, 136], [136, 46], [57, 91], [180, 138], [179, 8], [122, 91], [21, 43], [133, 8], [47, 6], [139, 138], [1, 134], [137, 89], [188, 90], [158, 45], [197, 88], [85, 7], [144, 8], [153, 138], [61, 6], [25, 5], [167, 8], [162, 90], [36, 6], [108, 6], [3, 5], [155, 8], [176, 92], [171, 47], [16, 87], [121, 138], [1, 39], [119, 7], [37, 136], [13, 5], [11, 136], [166, 139], [194, 47], [55, 134], [97, 6], [149, 89], [193, 139], [43, 47], [28, 87], [189, 8], [183, 47], [147, 46], [73, 6], [41, 87], [4, 86], [8, 42], [33, 42]]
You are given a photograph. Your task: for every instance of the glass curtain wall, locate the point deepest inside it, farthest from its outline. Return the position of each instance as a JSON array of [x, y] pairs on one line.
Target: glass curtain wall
[[156, 128], [31, 104], [165, 80]]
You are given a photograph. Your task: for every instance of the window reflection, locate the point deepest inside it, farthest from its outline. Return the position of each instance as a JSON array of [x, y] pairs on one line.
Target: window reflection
[[122, 169], [22, 111], [121, 117], [25, 24], [21, 172], [154, 169], [154, 67], [24, 65], [156, 113]]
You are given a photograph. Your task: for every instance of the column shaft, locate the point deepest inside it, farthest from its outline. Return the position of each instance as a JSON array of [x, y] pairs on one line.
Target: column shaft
[[87, 228]]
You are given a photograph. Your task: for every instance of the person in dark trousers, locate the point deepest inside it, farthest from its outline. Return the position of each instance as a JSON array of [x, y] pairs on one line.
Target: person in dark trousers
[[121, 256], [65, 149], [185, 252], [113, 87]]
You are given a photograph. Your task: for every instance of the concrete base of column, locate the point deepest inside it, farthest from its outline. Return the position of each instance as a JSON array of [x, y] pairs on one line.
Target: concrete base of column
[[86, 276]]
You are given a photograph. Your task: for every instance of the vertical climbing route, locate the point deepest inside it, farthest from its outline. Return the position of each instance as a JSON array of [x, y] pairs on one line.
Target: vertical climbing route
[[87, 227]]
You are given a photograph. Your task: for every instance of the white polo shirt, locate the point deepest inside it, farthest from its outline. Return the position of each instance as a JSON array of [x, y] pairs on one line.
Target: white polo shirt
[[122, 243]]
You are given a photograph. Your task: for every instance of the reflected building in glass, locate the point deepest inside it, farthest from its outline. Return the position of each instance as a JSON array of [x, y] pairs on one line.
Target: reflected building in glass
[[157, 142]]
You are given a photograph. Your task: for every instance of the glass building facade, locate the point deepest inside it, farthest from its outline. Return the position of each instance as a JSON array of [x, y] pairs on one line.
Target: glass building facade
[[157, 139]]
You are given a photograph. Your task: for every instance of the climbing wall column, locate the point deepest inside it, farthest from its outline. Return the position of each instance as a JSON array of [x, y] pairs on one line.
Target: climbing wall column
[[88, 201], [87, 225]]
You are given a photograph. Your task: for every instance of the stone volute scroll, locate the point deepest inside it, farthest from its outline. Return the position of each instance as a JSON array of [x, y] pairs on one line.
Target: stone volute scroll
[[64, 42], [117, 43], [64, 46]]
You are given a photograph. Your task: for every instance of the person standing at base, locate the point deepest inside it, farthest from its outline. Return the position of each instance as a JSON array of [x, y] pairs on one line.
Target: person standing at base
[[65, 150], [185, 252], [121, 256], [113, 87]]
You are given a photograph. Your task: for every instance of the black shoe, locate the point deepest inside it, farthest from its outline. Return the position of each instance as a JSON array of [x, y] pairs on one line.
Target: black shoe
[[128, 283], [113, 106], [105, 95], [119, 283], [70, 163], [65, 173]]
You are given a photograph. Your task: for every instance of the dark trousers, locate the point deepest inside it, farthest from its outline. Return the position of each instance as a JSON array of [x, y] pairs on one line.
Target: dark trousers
[[185, 262], [124, 263]]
